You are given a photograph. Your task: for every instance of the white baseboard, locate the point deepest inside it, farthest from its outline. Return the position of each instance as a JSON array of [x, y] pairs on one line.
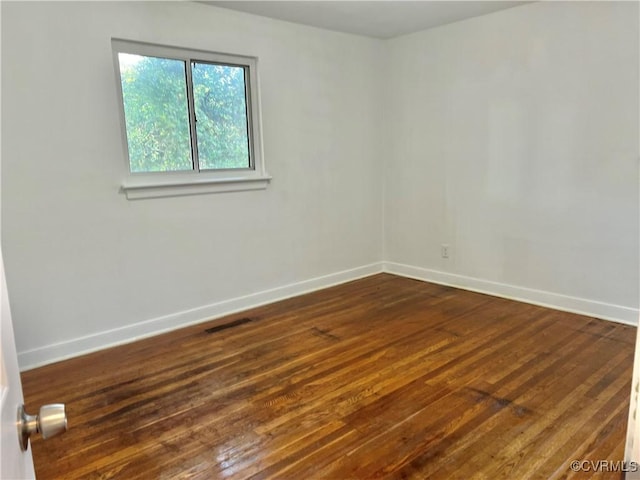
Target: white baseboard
[[78, 346], [605, 311]]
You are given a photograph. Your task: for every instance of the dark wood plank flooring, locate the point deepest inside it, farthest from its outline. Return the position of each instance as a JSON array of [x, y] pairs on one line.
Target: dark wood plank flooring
[[384, 377]]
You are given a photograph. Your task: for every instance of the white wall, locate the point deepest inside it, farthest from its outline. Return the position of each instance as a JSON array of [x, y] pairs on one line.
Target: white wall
[[514, 139], [85, 266]]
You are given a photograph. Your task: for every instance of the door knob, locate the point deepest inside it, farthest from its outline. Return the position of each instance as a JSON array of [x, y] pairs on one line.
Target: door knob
[[51, 421]]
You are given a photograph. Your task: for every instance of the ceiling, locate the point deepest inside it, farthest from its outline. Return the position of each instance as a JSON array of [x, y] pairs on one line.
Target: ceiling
[[380, 19]]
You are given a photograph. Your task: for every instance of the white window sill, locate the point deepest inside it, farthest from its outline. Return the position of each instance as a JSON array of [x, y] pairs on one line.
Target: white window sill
[[139, 188]]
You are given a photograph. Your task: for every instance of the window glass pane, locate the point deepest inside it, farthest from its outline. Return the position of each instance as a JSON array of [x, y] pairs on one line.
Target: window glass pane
[[221, 113], [156, 114]]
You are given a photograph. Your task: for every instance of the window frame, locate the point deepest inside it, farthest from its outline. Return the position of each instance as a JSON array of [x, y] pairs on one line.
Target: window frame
[[196, 181]]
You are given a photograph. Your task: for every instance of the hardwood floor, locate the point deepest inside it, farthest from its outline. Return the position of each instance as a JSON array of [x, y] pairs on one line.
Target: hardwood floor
[[383, 377]]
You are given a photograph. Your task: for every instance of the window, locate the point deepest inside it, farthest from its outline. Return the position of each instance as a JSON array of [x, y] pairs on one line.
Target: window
[[191, 120]]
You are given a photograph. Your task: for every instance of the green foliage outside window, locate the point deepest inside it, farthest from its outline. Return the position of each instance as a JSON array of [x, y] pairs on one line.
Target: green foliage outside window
[[221, 111], [157, 119]]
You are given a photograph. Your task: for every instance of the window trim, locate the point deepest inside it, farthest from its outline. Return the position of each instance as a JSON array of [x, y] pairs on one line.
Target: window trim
[[192, 182]]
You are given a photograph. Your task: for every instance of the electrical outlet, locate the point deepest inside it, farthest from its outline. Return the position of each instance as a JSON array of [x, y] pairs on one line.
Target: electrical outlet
[[444, 250]]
